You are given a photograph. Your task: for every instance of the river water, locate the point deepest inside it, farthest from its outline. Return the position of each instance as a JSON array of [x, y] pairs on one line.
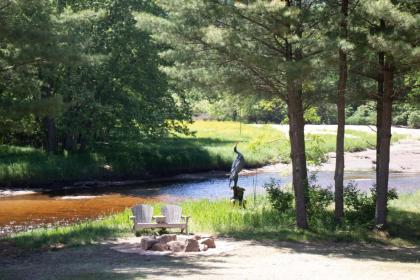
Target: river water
[[50, 208]]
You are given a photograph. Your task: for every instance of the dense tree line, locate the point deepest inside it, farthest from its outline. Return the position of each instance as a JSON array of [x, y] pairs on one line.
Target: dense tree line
[[75, 72], [305, 52]]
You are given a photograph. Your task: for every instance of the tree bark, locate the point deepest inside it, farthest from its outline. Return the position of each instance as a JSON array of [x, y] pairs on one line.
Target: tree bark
[[296, 131], [297, 144], [341, 115], [69, 142], [50, 135], [381, 62], [384, 148]]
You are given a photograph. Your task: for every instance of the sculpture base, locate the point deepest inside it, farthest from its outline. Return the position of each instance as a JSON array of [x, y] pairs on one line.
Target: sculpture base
[[238, 196]]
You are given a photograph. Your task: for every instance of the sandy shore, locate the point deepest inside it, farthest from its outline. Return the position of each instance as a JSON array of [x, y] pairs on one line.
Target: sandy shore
[[405, 154]]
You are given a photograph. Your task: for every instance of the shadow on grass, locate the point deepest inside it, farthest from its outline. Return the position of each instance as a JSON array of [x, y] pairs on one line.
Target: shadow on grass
[[72, 236], [404, 225], [102, 262]]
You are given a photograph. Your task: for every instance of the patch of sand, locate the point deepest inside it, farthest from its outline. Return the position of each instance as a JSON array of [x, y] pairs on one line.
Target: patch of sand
[[131, 245]]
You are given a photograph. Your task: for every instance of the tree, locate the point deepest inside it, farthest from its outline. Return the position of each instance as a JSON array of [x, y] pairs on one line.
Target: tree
[[76, 72], [393, 39], [341, 114], [247, 46]]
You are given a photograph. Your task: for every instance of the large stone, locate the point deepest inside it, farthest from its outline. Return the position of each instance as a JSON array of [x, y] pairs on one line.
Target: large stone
[[160, 247], [166, 238], [192, 245], [147, 242], [209, 242], [196, 237], [176, 246], [203, 247]]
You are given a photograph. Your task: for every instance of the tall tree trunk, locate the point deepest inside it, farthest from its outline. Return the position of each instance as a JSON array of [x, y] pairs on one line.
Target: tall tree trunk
[[297, 143], [384, 148], [296, 131], [50, 135], [381, 65], [341, 115]]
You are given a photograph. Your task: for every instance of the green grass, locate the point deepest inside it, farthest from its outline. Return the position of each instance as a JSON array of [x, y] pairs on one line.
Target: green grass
[[259, 222], [209, 149]]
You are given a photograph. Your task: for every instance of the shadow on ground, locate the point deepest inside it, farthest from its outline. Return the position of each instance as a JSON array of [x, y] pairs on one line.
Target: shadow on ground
[[100, 262]]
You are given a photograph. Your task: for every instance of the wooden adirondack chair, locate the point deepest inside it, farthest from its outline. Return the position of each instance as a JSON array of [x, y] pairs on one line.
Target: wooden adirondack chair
[[172, 218]]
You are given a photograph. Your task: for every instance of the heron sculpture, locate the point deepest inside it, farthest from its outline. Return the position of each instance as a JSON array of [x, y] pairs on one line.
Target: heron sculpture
[[237, 166]]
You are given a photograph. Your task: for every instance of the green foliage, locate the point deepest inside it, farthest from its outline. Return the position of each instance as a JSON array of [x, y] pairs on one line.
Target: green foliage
[[88, 68], [414, 119], [361, 206], [209, 148], [280, 198], [364, 115], [316, 149], [320, 198]]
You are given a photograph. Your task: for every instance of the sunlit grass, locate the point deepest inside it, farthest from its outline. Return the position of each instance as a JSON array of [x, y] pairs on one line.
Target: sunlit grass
[[211, 148], [258, 221]]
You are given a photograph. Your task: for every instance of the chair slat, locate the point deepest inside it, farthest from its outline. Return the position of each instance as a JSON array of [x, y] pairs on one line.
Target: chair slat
[[172, 214]]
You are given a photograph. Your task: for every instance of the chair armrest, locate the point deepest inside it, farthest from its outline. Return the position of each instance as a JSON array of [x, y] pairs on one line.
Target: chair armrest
[[186, 218]]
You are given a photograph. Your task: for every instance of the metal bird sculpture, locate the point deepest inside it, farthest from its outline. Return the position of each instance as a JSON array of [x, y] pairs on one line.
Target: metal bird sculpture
[[237, 166]]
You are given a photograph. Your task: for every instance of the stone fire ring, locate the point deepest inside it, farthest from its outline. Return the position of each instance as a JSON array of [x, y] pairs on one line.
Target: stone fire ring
[[133, 245]]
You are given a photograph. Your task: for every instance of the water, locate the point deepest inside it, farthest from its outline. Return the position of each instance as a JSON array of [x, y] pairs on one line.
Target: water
[[52, 208]]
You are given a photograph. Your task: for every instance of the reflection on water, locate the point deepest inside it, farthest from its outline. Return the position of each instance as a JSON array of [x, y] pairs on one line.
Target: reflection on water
[[72, 205]]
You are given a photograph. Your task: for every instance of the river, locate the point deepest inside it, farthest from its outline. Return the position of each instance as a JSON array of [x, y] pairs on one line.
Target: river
[[51, 208]]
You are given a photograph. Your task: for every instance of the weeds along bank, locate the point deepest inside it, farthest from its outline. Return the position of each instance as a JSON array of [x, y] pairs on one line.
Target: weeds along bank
[[210, 148], [261, 220]]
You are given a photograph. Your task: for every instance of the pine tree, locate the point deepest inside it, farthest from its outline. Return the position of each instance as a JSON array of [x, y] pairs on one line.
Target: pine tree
[[394, 34], [247, 47]]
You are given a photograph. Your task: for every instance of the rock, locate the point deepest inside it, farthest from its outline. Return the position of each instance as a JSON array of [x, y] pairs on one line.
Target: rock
[[203, 247], [160, 247], [191, 245], [209, 242], [147, 243], [196, 237], [166, 238], [176, 246]]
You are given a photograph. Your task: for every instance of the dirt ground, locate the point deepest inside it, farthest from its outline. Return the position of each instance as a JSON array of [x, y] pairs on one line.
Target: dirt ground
[[244, 260]]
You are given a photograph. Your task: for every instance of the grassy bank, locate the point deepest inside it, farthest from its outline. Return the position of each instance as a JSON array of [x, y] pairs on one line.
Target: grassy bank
[[259, 221], [209, 149]]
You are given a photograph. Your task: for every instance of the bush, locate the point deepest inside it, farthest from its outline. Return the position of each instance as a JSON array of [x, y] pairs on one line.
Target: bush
[[319, 199], [361, 206], [364, 115], [280, 199], [414, 119], [316, 153]]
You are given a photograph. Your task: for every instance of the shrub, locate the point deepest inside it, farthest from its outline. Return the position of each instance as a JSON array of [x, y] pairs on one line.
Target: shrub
[[319, 199], [316, 152], [361, 206], [280, 198], [414, 119], [364, 115]]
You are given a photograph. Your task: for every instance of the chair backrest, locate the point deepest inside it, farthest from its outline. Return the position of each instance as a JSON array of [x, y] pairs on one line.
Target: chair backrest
[[143, 213], [172, 214]]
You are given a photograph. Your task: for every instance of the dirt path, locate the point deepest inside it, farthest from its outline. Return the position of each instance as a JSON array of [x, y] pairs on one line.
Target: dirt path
[[250, 260]]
